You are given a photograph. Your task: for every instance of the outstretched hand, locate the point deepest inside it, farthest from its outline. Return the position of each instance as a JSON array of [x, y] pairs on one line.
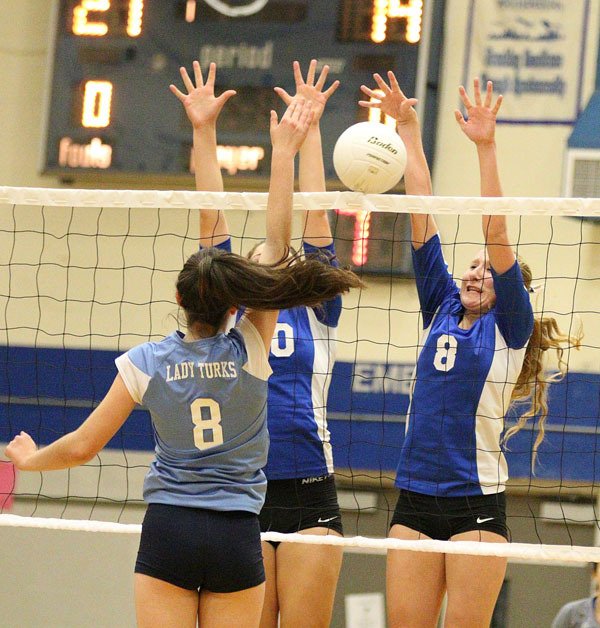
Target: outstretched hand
[[480, 125], [309, 90], [200, 103], [20, 449], [290, 131], [390, 99]]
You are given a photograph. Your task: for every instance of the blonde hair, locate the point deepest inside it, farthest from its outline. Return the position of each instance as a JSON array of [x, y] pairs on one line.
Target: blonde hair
[[532, 383]]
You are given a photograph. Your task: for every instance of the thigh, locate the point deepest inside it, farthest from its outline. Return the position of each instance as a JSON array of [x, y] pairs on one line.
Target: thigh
[[471, 600], [159, 604], [415, 583], [270, 610], [241, 609], [307, 578]]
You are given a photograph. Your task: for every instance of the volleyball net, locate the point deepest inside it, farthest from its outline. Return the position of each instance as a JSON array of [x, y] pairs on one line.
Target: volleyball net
[[87, 274]]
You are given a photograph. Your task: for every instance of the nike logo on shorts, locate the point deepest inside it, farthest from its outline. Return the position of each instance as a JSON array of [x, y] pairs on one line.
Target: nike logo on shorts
[[484, 519], [319, 520]]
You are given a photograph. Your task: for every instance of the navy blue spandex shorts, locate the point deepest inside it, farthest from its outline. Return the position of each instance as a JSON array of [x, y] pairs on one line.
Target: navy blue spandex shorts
[[299, 504], [195, 548], [441, 518]]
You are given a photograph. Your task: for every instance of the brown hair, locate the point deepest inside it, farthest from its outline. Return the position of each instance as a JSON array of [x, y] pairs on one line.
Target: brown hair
[[532, 383], [212, 281]]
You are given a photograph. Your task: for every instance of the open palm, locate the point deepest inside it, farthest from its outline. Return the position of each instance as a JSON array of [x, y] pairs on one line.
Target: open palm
[[390, 100], [200, 103], [480, 125], [309, 90]]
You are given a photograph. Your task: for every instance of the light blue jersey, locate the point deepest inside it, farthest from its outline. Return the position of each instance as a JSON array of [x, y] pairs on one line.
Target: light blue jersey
[[302, 357], [577, 614], [463, 382], [207, 399]]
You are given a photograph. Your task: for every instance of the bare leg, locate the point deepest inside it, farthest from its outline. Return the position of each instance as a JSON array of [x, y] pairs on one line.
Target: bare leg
[[241, 609], [473, 583], [270, 611], [415, 583], [159, 604], [307, 578]]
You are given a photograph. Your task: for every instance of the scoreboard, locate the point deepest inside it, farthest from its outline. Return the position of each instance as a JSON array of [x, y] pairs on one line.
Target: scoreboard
[[109, 107]]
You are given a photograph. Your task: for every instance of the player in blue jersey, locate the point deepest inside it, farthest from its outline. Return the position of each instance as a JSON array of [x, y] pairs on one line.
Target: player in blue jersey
[[200, 558], [481, 350], [301, 494]]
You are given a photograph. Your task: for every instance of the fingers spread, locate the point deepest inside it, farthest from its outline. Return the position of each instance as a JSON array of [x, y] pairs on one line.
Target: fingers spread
[[298, 74], [497, 105], [464, 97], [310, 76], [210, 80], [331, 88], [287, 99], [459, 118], [369, 92], [394, 83], [477, 91], [382, 84], [489, 88], [197, 74], [186, 79], [177, 93]]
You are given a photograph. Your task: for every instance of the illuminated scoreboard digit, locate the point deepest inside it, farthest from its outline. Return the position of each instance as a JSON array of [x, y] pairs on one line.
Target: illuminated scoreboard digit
[[110, 109]]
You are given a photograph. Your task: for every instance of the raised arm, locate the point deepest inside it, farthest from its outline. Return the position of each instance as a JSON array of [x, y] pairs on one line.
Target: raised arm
[[287, 136], [417, 179], [311, 172], [203, 108], [81, 445], [480, 128]]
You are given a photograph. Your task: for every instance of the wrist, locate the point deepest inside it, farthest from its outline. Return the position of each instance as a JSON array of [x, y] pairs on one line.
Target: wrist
[[205, 127], [409, 131], [486, 145], [283, 152]]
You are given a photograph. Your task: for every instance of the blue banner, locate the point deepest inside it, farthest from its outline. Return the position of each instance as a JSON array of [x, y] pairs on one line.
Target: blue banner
[[49, 392]]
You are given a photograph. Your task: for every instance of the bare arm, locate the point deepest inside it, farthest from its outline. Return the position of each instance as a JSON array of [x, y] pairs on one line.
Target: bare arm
[[81, 445], [286, 138], [417, 178], [311, 170], [480, 128], [203, 109]]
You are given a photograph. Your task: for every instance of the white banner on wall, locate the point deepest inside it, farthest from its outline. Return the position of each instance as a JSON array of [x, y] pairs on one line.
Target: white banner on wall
[[533, 51]]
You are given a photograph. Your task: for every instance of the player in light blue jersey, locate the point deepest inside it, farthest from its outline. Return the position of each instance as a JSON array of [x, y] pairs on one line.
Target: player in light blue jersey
[[481, 350], [200, 558], [301, 493], [584, 613]]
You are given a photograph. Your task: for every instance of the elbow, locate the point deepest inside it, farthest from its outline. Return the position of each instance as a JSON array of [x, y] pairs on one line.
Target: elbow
[[82, 451]]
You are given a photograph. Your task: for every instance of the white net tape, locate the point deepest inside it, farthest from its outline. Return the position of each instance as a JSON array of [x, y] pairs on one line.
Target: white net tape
[[522, 206], [523, 551]]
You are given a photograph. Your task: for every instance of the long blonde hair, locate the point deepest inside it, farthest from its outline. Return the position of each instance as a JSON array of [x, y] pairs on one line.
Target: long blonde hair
[[532, 383]]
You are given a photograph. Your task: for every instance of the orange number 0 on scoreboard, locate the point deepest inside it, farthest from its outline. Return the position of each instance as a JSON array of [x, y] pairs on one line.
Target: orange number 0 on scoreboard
[[97, 95]]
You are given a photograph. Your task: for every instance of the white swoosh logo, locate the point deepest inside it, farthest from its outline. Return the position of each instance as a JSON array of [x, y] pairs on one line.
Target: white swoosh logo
[[319, 520], [483, 520]]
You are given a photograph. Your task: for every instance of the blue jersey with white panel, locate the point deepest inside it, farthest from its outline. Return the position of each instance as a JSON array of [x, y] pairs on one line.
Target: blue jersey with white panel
[[302, 357], [463, 382], [207, 399]]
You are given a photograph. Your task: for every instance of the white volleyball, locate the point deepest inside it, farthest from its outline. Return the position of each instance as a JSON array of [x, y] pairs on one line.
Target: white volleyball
[[369, 157]]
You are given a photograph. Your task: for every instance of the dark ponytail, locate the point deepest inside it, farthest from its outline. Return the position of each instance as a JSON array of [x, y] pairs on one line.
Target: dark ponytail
[[212, 281]]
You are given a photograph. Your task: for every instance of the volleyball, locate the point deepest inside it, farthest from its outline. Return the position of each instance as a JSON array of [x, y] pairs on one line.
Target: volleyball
[[369, 157]]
